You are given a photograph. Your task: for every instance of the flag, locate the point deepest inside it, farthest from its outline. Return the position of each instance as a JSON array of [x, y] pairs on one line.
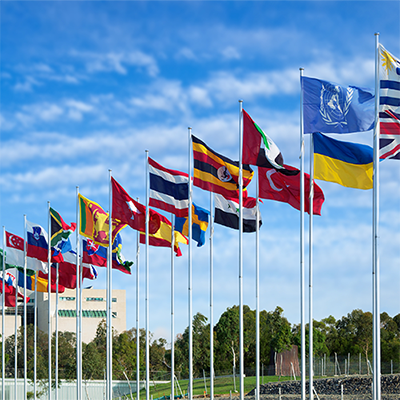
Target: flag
[[131, 212], [162, 237], [217, 173], [60, 233], [10, 289], [227, 213], [67, 271], [15, 254], [7, 265], [36, 238], [389, 105], [259, 149], [275, 186], [94, 254], [331, 108], [199, 224], [169, 189], [94, 222], [42, 283], [348, 164]]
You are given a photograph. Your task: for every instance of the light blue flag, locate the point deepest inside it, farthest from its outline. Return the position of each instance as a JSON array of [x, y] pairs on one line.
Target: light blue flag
[[331, 108]]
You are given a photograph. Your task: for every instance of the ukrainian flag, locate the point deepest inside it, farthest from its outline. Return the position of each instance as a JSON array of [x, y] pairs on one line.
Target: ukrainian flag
[[345, 163]]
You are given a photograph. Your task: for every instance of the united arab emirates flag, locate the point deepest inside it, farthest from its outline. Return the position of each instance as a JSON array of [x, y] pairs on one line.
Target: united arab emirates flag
[[227, 213], [259, 149]]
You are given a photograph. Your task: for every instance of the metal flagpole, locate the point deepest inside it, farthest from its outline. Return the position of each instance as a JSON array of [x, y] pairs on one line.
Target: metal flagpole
[[172, 307], [3, 316], [302, 288], [147, 282], [25, 316], [190, 271], [78, 304], [15, 338], [49, 292], [376, 307], [310, 260], [109, 290], [241, 336], [56, 344], [137, 317], [35, 339], [211, 299], [257, 295], [80, 314]]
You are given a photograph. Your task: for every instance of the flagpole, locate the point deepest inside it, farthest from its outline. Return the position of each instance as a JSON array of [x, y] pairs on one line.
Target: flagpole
[[172, 307], [241, 336], [211, 299], [78, 304], [147, 281], [137, 317], [49, 292], [310, 260], [190, 270], [3, 316], [257, 294], [35, 339], [56, 344], [302, 286], [109, 288], [376, 307], [15, 339], [25, 324]]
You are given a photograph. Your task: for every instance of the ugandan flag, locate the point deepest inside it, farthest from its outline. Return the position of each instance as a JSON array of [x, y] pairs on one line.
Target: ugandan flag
[[94, 222], [217, 173]]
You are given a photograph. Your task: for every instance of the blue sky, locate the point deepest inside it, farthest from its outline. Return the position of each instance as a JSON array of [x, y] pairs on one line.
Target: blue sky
[[89, 86]]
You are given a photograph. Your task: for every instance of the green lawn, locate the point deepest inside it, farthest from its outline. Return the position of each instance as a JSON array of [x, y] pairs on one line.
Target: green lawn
[[221, 386]]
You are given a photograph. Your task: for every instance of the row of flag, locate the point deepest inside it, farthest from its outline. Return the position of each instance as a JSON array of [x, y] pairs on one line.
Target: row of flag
[[328, 108]]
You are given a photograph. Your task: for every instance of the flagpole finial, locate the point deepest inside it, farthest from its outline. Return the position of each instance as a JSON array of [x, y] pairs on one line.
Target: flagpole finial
[[146, 151], [240, 101], [301, 69], [377, 33]]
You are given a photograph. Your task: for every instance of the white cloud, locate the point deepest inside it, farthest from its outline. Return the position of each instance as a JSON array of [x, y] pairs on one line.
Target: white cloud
[[231, 53]]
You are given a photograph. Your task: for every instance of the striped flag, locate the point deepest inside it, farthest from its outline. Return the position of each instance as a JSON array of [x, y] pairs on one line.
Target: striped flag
[[227, 213], [60, 232], [217, 173], [389, 105], [169, 189]]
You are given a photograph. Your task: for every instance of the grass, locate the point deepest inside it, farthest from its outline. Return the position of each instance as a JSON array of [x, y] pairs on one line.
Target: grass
[[222, 385]]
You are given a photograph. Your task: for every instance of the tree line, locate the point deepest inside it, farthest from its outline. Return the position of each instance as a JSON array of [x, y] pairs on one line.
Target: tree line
[[350, 334]]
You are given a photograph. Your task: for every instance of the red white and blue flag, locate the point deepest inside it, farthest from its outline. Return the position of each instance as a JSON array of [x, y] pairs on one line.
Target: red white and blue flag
[[389, 105], [37, 244], [169, 189]]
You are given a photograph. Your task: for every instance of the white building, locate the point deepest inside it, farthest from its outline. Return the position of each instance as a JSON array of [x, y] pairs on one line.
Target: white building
[[93, 312]]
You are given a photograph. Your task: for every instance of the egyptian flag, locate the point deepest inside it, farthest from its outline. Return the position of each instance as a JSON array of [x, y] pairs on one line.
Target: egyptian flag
[[259, 149]]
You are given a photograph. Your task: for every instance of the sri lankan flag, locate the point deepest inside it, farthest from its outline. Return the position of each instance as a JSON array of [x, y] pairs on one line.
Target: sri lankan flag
[[60, 232], [94, 222], [217, 173]]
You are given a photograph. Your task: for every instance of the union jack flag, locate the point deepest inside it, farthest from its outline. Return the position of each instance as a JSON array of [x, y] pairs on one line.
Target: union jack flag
[[389, 105]]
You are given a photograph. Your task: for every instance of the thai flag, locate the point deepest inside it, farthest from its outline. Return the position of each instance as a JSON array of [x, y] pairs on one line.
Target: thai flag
[[169, 189]]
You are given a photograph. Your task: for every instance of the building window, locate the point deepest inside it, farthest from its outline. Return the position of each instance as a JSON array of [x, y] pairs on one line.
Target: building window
[[94, 299], [67, 298], [114, 299]]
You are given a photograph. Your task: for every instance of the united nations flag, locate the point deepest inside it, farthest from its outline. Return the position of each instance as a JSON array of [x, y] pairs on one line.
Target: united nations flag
[[331, 108]]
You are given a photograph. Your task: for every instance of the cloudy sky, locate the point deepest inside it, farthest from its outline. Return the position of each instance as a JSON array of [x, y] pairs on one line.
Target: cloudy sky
[[89, 86]]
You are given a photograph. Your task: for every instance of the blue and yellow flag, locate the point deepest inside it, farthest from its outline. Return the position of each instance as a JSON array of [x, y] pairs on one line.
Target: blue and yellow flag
[[345, 163], [199, 224]]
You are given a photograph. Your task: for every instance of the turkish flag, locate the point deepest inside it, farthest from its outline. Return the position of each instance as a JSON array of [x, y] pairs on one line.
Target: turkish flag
[[131, 212], [286, 188]]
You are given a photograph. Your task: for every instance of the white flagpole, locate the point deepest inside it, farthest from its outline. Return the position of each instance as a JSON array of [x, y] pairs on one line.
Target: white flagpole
[[25, 315], [109, 290], [49, 292], [376, 306], [172, 307], [257, 294], [35, 339], [211, 299], [3, 316], [16, 337], [147, 283], [302, 288], [241, 335], [56, 344], [190, 271], [310, 260], [78, 303], [137, 317]]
